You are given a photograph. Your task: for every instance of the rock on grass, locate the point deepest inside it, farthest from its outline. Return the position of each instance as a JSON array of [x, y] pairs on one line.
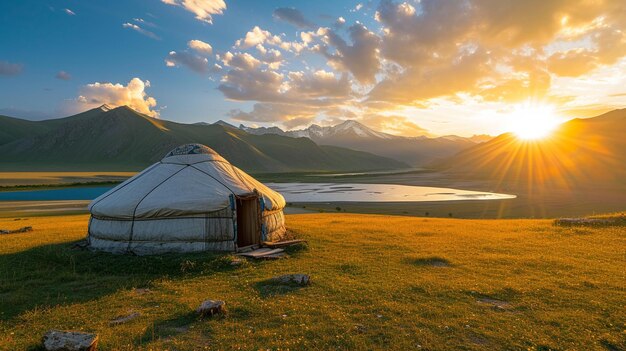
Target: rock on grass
[[56, 340], [210, 308], [295, 279], [123, 319]]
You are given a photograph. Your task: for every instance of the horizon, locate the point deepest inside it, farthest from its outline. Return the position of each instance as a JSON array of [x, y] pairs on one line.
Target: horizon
[[106, 107], [388, 65]]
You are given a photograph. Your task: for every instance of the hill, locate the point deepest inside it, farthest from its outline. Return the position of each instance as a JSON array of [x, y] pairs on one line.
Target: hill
[[416, 151], [377, 283], [123, 139], [581, 152]]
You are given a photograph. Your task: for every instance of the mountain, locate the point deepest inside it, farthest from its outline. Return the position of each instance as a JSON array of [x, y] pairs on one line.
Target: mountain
[[346, 129], [123, 139], [416, 151], [581, 152]]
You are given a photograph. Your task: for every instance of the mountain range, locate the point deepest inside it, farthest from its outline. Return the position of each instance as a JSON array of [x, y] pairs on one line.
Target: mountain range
[[590, 152], [120, 138], [415, 151]]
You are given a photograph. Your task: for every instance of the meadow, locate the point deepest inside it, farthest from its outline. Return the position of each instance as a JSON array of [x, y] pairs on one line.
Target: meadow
[[378, 282]]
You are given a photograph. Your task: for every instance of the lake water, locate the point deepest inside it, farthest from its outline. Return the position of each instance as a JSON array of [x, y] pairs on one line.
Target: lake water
[[295, 192], [348, 192]]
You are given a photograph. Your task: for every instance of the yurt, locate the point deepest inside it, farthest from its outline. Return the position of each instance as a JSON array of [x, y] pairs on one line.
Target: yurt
[[192, 200]]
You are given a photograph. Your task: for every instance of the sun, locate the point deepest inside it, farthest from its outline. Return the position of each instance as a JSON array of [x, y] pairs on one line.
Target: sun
[[530, 121]]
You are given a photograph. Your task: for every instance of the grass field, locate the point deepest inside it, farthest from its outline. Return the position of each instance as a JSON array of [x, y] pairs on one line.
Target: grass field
[[378, 282]]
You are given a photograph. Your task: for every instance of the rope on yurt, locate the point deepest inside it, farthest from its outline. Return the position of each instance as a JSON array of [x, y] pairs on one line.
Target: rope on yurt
[[217, 180], [236, 171], [231, 201], [263, 226], [231, 198], [132, 180], [132, 225]]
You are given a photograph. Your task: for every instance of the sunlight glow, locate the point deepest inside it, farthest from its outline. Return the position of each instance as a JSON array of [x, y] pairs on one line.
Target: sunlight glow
[[529, 121]]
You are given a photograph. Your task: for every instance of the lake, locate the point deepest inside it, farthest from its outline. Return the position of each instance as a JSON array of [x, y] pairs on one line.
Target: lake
[[295, 192]]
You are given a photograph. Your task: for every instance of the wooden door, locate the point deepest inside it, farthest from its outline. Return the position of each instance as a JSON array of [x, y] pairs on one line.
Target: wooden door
[[248, 226]]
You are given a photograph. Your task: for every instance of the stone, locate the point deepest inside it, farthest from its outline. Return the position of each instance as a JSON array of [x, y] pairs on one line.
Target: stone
[[123, 319], [57, 340], [298, 279], [210, 308], [360, 328], [236, 262], [21, 230]]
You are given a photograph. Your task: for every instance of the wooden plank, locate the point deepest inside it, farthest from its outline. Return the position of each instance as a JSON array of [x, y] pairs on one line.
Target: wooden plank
[[248, 248], [283, 243], [261, 252]]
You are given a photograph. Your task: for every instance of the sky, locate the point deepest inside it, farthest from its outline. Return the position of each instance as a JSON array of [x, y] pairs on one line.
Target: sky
[[429, 67]]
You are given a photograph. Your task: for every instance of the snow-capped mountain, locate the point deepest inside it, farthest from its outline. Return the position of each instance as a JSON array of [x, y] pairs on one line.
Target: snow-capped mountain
[[349, 128], [415, 151]]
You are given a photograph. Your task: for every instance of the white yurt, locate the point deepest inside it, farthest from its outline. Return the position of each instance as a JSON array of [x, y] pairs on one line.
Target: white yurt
[[192, 200]]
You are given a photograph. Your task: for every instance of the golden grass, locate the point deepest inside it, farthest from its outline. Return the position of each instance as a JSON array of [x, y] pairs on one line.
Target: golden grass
[[379, 282]]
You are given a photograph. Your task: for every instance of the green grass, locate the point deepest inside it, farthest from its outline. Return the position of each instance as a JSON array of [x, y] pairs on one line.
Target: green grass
[[378, 282]]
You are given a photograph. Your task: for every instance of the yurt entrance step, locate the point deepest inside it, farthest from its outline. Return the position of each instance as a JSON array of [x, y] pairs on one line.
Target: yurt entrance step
[[248, 220]]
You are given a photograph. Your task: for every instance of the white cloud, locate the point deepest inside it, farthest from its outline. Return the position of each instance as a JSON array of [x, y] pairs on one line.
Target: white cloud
[[138, 29], [200, 47], [203, 9], [144, 22], [357, 8], [194, 62], [132, 95], [69, 12], [258, 36]]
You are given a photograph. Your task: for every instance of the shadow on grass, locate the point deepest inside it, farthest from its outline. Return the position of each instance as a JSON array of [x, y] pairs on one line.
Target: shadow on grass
[[432, 261], [269, 287], [60, 274], [168, 328]]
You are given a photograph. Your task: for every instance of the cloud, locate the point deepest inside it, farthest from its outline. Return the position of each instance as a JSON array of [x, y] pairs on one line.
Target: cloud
[[272, 57], [138, 29], [200, 47], [258, 36], [504, 52], [62, 75], [289, 115], [292, 16], [293, 98], [69, 12], [194, 62], [132, 95], [357, 8], [319, 84], [361, 58], [10, 69], [144, 22], [203, 9], [394, 124], [243, 61]]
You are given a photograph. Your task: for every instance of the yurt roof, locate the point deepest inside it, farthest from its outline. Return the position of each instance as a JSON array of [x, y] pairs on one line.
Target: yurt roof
[[190, 180]]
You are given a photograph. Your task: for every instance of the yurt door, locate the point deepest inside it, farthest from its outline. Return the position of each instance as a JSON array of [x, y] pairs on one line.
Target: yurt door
[[248, 216]]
